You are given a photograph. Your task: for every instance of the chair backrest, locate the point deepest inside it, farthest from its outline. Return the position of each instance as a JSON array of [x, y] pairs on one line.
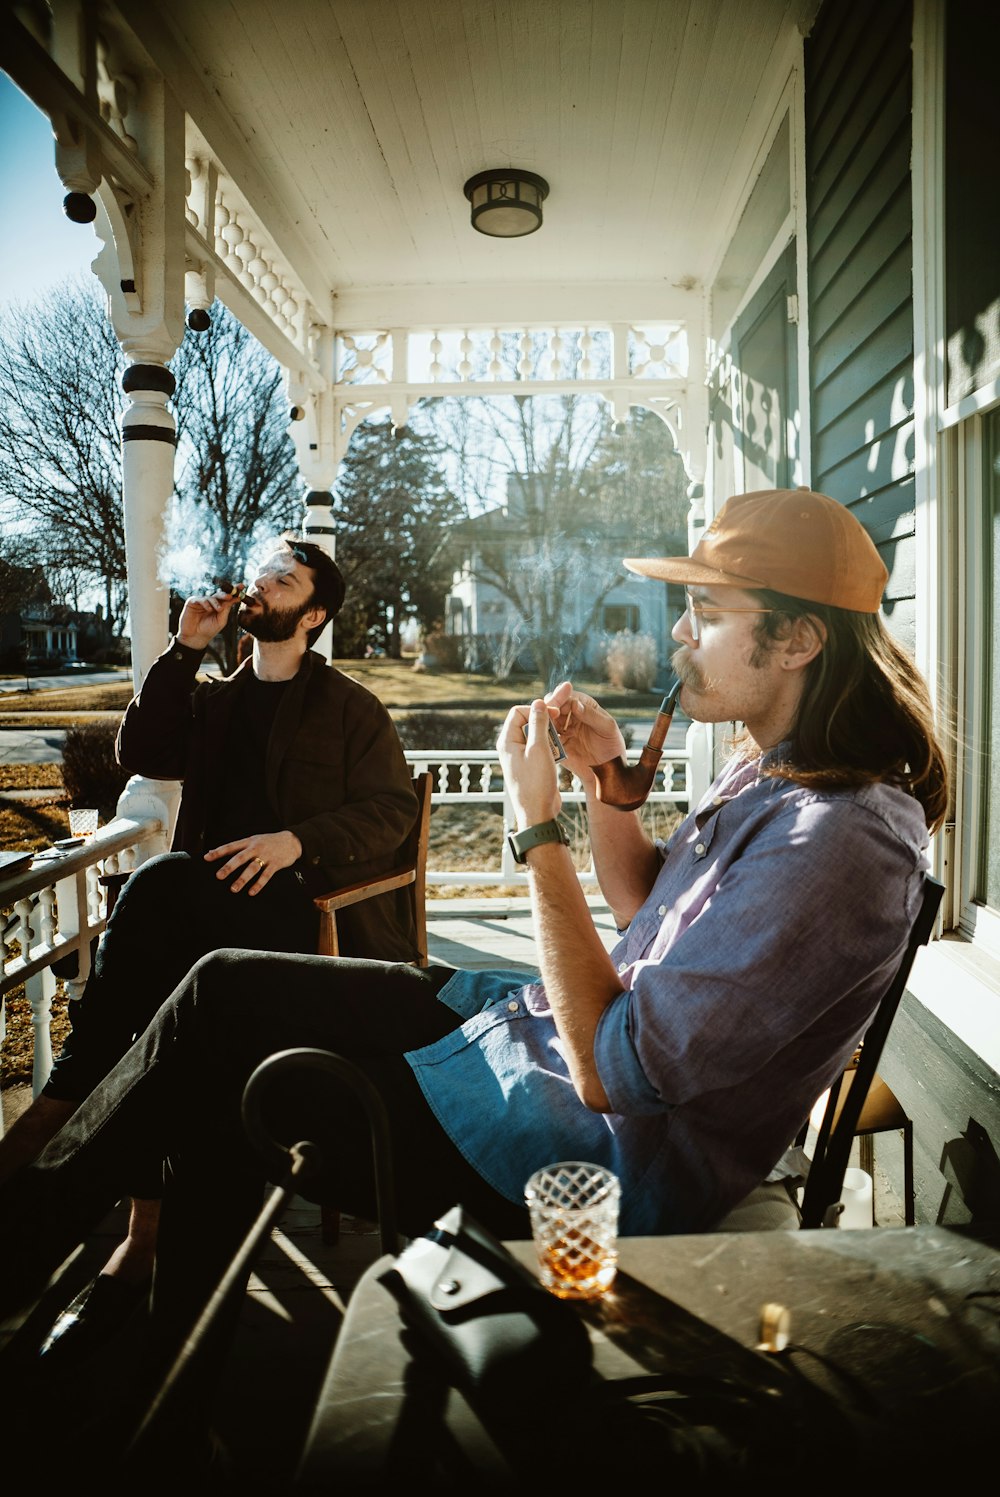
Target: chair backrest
[[423, 784], [410, 873], [824, 1185]]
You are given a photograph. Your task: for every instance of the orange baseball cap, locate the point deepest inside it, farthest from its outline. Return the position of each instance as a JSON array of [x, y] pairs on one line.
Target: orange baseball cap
[[792, 541]]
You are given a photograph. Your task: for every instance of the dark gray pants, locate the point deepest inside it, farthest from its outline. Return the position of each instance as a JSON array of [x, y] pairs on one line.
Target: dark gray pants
[[171, 911], [175, 1096]]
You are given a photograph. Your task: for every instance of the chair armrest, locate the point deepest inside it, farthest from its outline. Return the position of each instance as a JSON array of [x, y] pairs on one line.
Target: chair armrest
[[339, 899]]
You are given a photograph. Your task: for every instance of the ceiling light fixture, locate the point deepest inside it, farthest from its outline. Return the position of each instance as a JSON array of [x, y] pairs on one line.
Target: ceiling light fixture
[[506, 202]]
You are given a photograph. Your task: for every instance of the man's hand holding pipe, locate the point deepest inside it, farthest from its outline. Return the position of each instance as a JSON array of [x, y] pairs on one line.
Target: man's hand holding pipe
[[590, 735]]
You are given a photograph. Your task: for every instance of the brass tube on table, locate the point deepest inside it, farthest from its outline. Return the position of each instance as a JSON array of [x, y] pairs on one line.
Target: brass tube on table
[[626, 786]]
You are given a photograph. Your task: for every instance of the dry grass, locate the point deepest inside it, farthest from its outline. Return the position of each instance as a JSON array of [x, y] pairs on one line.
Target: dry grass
[[113, 698], [394, 682], [28, 826], [30, 777]]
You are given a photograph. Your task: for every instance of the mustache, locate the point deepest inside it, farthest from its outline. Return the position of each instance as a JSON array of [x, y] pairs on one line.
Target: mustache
[[685, 669]]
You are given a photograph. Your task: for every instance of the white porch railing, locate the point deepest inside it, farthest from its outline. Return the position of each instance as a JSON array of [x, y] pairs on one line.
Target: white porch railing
[[53, 910], [474, 778], [57, 908]]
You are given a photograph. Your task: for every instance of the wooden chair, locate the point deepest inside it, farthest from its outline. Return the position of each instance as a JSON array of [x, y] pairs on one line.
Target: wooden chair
[[410, 874], [881, 1113]]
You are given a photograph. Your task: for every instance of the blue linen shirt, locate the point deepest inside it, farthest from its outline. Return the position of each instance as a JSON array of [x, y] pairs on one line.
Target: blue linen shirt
[[750, 973]]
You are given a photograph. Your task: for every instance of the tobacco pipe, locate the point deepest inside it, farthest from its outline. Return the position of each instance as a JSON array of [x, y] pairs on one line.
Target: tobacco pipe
[[626, 786]]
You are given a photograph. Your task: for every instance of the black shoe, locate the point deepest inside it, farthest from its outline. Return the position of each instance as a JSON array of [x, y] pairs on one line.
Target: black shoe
[[97, 1314]]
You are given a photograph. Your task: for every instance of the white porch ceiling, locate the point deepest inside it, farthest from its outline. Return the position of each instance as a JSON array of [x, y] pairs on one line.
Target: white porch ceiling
[[350, 127]]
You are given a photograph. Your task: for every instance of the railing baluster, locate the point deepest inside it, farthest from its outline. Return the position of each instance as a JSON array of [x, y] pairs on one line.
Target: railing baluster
[[40, 990], [47, 909], [44, 918]]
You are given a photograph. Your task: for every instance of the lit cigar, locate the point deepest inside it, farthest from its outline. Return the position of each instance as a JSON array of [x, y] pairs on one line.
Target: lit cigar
[[235, 590], [626, 786]]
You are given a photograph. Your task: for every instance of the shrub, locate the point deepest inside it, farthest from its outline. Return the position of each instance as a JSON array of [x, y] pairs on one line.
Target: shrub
[[453, 731], [91, 773], [443, 652], [118, 652], [630, 661]]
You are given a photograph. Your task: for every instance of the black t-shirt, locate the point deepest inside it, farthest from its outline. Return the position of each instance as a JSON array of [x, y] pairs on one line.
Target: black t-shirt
[[239, 806]]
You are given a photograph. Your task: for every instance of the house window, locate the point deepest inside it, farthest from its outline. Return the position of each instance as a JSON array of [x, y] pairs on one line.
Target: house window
[[978, 908], [621, 618]]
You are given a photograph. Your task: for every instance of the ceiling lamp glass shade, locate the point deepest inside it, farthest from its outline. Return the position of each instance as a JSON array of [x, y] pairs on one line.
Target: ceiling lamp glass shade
[[507, 202]]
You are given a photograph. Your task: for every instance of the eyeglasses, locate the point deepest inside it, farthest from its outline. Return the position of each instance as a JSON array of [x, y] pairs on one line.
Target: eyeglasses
[[697, 612]]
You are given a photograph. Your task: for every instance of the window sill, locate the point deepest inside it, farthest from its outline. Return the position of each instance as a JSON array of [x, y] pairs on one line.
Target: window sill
[[960, 985]]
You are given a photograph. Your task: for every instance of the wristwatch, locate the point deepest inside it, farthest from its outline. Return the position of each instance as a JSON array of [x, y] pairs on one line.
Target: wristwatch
[[521, 843]]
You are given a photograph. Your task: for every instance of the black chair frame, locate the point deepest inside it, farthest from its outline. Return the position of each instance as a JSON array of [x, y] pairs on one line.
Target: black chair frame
[[821, 1203]]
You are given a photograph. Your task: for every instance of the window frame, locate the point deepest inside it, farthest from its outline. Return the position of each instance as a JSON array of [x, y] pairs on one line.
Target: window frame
[[976, 712]]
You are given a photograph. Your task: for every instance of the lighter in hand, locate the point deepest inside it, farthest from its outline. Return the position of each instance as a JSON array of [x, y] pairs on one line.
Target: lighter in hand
[[555, 742]]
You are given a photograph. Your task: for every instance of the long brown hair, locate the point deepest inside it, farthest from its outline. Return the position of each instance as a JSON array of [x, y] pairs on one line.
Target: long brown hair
[[865, 713]]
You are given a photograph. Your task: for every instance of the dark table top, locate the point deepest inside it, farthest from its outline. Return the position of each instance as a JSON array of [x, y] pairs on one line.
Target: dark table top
[[892, 1372]]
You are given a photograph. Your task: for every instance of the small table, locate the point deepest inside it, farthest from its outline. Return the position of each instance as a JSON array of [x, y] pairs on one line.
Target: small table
[[892, 1371]]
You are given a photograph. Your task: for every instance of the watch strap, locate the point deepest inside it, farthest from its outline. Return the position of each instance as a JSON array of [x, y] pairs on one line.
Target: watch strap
[[521, 843]]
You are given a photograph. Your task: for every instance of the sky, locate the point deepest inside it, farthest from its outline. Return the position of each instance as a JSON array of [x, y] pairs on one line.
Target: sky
[[39, 247]]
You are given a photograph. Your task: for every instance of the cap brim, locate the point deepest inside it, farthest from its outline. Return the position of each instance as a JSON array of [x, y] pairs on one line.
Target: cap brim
[[685, 569]]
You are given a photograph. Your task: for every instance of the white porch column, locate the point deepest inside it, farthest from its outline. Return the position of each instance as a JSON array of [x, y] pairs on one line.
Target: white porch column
[[319, 450], [149, 436], [142, 268]]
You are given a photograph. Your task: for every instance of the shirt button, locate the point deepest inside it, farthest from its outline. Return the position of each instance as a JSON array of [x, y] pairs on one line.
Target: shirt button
[[622, 966], [720, 800], [512, 1006], [700, 849], [661, 909]]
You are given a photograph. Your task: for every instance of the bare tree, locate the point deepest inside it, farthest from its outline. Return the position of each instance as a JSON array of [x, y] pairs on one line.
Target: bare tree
[[579, 496], [60, 394], [60, 448], [237, 479], [20, 574]]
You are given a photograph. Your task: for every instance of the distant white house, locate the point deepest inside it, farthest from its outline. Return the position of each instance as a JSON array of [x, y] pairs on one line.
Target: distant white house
[[495, 631]]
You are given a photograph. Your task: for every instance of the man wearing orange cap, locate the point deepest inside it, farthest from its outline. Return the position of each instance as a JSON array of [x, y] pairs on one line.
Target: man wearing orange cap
[[755, 945]]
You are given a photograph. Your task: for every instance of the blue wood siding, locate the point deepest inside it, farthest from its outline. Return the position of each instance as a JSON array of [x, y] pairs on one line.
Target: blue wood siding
[[858, 86]]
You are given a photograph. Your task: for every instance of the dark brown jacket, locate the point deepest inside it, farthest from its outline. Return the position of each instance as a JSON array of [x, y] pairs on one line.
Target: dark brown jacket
[[335, 776]]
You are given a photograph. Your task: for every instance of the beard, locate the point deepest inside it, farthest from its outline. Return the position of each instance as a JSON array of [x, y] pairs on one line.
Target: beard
[[271, 626]]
